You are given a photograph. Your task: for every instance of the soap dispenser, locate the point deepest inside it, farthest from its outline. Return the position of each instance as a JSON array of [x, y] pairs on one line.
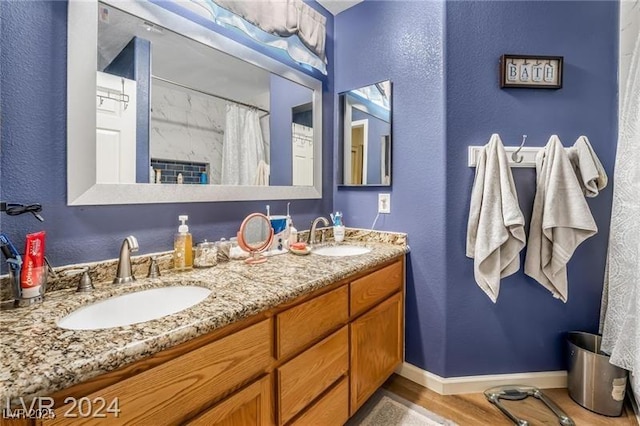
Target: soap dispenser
[[183, 246]]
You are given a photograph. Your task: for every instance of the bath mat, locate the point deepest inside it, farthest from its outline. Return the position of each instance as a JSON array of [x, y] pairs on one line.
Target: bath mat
[[385, 408]]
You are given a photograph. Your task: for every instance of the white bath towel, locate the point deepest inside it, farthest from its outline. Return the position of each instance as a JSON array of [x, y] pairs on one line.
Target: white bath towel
[[495, 232], [588, 168], [560, 221]]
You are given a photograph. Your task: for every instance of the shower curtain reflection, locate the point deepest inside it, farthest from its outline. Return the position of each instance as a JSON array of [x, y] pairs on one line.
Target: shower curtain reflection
[[243, 151]]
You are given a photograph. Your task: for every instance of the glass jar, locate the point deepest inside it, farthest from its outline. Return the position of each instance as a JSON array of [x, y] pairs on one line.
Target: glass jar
[[223, 247], [206, 255]]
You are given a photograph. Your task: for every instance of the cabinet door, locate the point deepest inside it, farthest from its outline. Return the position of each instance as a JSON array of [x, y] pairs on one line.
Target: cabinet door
[[178, 389], [250, 406], [376, 349]]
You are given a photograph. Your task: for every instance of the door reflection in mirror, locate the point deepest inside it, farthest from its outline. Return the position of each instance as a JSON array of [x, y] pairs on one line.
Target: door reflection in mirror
[[115, 129], [302, 144], [365, 118]]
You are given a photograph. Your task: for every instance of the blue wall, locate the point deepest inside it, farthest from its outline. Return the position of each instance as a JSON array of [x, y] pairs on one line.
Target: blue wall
[[134, 63], [403, 41], [33, 159], [452, 328], [524, 330]]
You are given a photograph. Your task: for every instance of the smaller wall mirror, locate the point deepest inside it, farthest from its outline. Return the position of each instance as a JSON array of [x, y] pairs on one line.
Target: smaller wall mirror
[[365, 135]]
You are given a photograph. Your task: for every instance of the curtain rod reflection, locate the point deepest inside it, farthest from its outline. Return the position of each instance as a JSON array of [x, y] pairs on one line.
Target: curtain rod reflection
[[211, 94]]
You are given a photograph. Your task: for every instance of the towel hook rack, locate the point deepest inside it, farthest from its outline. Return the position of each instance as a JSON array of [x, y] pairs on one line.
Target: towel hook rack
[[518, 158]]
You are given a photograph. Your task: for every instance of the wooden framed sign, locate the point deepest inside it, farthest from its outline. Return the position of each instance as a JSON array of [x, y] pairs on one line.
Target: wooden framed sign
[[532, 72]]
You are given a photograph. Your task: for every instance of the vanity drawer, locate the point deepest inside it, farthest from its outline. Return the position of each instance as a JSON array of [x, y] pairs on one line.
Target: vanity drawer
[[250, 406], [375, 287], [176, 390], [301, 325], [306, 376], [330, 410]]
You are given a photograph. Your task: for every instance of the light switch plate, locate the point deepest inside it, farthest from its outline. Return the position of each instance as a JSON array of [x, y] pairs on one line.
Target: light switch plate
[[384, 203]]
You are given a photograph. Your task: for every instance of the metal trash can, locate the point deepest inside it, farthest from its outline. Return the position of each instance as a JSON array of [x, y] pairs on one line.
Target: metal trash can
[[593, 382]]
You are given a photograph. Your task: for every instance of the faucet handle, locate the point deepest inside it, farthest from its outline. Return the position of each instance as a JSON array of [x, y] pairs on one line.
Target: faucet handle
[[154, 269], [50, 268], [85, 284]]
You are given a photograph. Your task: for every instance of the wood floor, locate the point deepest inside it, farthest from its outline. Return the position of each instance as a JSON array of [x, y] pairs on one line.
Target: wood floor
[[474, 409]]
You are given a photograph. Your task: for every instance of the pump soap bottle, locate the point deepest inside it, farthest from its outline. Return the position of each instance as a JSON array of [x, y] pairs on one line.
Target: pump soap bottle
[[183, 246]]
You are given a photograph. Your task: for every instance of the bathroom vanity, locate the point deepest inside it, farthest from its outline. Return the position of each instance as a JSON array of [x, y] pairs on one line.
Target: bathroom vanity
[[267, 347]]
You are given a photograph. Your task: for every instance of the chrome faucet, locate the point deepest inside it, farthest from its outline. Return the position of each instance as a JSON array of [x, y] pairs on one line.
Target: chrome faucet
[[312, 231], [125, 275]]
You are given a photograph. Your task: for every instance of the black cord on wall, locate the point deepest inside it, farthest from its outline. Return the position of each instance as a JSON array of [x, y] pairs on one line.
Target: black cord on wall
[[15, 209]]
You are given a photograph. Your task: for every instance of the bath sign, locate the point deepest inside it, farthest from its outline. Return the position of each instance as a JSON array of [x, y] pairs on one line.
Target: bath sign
[[543, 72]]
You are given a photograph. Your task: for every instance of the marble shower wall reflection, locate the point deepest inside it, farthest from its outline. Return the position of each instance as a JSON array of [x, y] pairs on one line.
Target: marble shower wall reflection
[[189, 127]]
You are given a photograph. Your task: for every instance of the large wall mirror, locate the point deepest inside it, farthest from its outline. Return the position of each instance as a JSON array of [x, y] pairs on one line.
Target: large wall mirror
[[365, 135], [171, 111]]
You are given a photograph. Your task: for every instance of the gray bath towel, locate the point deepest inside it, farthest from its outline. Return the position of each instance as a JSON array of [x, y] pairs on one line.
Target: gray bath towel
[[495, 232], [560, 221]]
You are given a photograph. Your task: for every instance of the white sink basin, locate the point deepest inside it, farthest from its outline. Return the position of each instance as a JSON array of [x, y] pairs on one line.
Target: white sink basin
[[340, 251], [133, 308]]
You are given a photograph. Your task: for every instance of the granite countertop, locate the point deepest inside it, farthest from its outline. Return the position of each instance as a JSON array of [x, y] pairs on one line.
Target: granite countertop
[[38, 358]]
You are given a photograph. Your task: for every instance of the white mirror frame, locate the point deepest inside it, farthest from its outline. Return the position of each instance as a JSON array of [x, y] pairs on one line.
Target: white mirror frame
[[82, 41]]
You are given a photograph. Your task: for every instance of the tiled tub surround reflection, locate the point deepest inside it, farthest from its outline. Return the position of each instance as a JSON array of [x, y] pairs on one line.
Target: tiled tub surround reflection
[[187, 126], [38, 358], [169, 170]]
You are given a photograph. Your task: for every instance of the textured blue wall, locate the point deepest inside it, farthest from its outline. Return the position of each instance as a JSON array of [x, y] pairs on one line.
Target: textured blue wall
[[403, 41], [452, 328], [33, 159], [524, 330]]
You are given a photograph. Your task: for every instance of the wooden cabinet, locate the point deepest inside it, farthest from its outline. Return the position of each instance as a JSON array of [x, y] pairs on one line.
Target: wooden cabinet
[[376, 349], [373, 288], [178, 389], [301, 325], [250, 406], [314, 360], [309, 374], [330, 410]]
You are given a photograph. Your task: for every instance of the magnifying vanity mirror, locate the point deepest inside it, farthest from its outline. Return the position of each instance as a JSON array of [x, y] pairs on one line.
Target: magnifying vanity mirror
[[255, 236], [365, 135], [172, 111]]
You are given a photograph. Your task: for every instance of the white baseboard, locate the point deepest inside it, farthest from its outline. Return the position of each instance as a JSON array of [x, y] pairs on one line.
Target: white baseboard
[[475, 384]]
